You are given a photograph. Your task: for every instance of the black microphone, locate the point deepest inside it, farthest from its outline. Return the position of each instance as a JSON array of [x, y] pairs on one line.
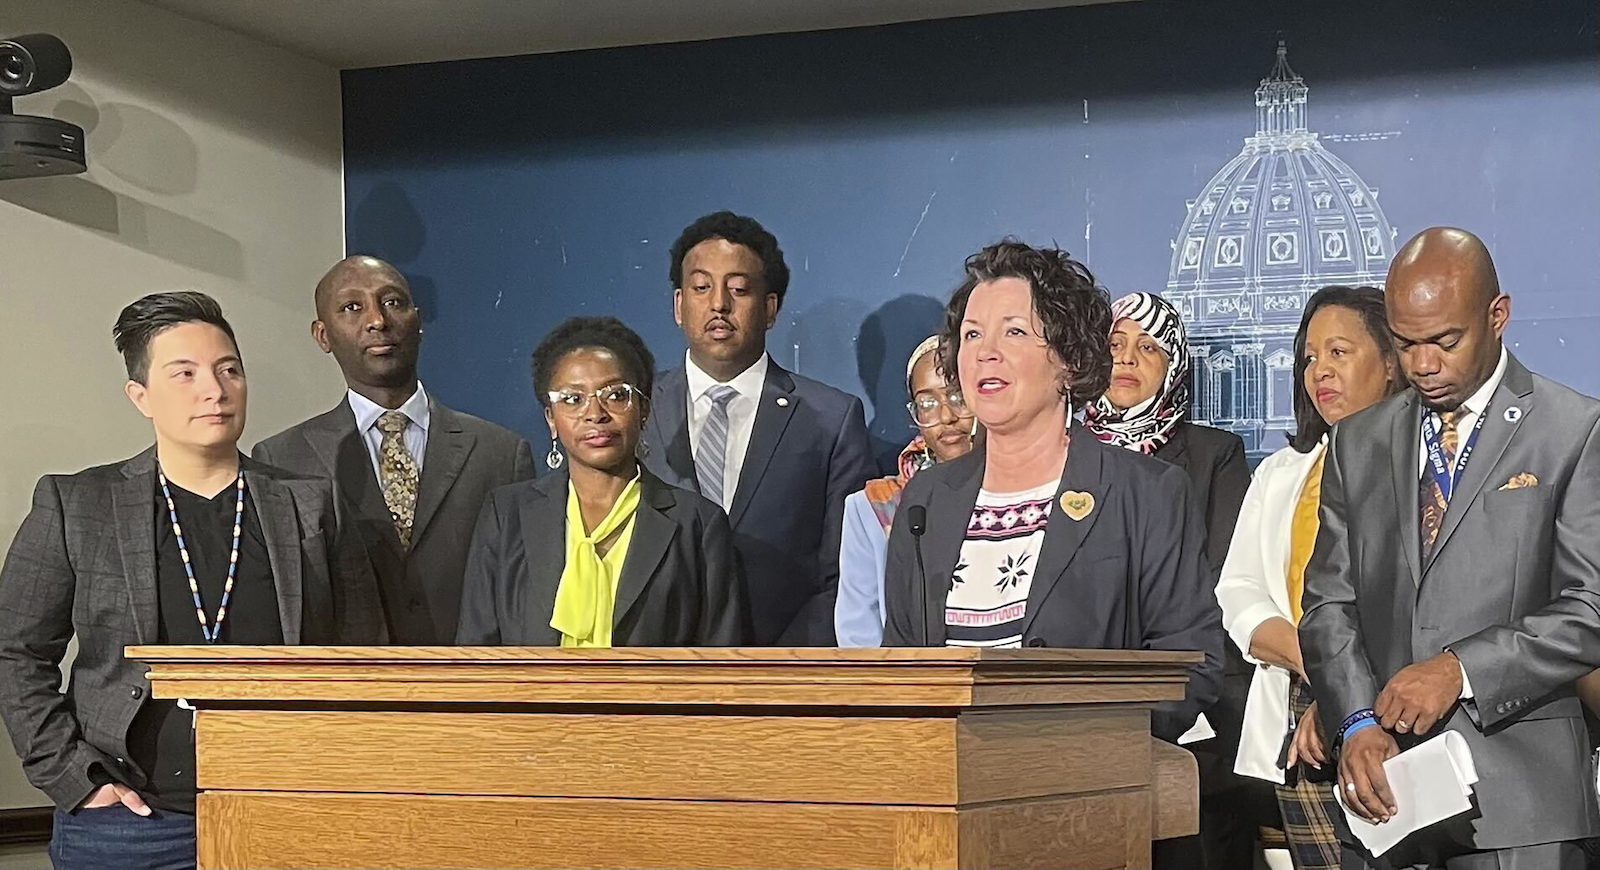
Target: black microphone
[[918, 516]]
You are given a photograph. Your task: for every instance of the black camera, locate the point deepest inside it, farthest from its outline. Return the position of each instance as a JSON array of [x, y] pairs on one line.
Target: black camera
[[33, 63], [30, 146]]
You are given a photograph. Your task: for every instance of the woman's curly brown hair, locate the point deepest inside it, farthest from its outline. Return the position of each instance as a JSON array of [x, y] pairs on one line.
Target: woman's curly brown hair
[[1074, 310]]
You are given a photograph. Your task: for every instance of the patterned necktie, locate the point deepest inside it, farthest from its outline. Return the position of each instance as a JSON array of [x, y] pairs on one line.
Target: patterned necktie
[[712, 457], [1433, 500], [397, 473]]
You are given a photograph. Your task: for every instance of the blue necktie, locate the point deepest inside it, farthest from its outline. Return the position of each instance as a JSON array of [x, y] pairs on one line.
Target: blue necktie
[[712, 457]]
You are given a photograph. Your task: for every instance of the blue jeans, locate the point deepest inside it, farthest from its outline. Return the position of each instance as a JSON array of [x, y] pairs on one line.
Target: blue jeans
[[114, 837]]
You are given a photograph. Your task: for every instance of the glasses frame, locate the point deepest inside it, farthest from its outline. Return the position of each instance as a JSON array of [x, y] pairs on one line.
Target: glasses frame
[[556, 404], [964, 414]]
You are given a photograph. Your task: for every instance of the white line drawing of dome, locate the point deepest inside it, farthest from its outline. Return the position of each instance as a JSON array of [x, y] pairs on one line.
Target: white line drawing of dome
[[1281, 219]]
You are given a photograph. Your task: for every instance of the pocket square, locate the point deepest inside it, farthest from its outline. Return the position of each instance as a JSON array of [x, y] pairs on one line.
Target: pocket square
[[1521, 481]]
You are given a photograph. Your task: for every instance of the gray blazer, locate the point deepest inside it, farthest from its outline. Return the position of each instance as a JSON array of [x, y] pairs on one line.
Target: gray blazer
[[83, 563], [1512, 587], [808, 450], [466, 458], [680, 583], [1130, 575]]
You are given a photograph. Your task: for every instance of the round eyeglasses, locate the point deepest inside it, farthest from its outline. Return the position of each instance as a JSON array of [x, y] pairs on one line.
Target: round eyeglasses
[[928, 409]]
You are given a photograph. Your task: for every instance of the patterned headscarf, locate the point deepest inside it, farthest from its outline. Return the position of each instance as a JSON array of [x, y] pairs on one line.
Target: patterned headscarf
[[883, 494], [1147, 425]]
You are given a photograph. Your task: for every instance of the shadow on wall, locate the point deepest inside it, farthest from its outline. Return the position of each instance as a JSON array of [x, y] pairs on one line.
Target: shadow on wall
[[388, 214], [146, 151], [883, 347]]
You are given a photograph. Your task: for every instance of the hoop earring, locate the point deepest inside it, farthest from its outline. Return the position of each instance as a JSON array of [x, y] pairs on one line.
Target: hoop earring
[[554, 459]]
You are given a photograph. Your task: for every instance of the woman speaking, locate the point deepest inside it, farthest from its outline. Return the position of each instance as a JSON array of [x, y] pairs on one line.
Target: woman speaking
[[1043, 536]]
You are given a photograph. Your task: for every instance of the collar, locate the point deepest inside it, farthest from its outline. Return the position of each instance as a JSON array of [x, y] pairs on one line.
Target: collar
[[367, 411], [1480, 399], [748, 382]]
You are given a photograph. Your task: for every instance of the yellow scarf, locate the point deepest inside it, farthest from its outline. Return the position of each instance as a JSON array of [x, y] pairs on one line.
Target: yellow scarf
[[586, 598], [1303, 526]]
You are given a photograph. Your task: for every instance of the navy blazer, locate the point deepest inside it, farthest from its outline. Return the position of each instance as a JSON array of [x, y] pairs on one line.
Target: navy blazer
[[808, 450], [680, 584], [1144, 535]]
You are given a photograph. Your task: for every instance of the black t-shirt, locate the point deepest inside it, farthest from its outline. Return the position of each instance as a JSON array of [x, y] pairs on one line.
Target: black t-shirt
[[161, 738]]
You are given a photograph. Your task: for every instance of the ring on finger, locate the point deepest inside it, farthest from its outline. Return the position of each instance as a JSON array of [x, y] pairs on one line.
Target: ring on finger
[[1402, 726]]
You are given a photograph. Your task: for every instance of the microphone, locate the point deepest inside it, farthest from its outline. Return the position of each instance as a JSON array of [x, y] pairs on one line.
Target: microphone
[[918, 516]]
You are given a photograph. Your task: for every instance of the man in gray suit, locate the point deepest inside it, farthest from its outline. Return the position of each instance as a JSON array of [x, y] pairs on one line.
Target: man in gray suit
[[1455, 583], [410, 474], [186, 543]]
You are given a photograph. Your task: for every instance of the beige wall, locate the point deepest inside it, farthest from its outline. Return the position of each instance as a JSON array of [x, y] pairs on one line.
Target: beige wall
[[214, 165]]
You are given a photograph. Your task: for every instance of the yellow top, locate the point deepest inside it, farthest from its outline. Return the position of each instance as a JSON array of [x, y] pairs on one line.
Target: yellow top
[[586, 598], [1303, 535]]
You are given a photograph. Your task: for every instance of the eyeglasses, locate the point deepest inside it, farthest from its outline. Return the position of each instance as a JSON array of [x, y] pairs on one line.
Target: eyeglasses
[[928, 410], [613, 399]]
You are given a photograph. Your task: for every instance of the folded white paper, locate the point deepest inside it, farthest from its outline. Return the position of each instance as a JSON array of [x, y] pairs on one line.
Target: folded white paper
[[1200, 730], [1431, 782]]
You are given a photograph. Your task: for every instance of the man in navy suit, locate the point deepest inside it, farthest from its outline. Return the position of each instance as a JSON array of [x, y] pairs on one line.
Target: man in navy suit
[[778, 451]]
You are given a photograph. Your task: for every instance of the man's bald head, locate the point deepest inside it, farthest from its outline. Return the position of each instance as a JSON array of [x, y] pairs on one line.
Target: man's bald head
[[1447, 314], [366, 319], [358, 267]]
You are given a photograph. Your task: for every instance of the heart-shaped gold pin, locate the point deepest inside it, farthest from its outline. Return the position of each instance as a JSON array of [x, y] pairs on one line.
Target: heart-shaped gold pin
[[1077, 505]]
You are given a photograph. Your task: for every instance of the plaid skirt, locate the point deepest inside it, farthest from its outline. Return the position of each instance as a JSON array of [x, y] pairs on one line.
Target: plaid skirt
[[1309, 807]]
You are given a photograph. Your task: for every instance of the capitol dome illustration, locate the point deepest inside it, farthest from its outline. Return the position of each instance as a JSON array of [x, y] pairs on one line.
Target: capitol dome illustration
[[1275, 223]]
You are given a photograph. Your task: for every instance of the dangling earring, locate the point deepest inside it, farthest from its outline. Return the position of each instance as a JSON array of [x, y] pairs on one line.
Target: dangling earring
[[554, 457], [644, 449], [926, 460]]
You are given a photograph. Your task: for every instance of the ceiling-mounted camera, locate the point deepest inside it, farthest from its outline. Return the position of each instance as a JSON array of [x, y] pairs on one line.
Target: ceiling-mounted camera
[[31, 146]]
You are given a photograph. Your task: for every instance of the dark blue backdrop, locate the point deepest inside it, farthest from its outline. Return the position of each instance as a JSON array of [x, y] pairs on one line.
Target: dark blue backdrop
[[515, 192]]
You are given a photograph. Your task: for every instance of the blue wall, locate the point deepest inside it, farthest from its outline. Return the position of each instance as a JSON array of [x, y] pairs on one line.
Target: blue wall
[[515, 192]]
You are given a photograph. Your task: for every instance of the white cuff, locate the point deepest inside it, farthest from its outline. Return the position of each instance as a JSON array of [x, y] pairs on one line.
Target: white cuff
[[1466, 684]]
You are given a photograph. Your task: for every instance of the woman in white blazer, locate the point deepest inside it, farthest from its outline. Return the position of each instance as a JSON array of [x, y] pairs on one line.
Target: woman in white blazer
[[1344, 361]]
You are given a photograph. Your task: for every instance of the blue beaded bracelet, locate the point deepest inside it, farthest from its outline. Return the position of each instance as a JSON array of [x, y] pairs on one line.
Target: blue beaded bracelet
[[1357, 716], [1360, 724]]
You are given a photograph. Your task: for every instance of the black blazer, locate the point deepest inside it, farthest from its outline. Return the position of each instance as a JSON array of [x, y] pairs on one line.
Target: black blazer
[[680, 583], [465, 458], [1144, 534], [83, 564], [808, 450], [1218, 477]]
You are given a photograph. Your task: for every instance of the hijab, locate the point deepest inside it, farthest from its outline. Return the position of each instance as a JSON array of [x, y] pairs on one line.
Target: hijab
[[1149, 424]]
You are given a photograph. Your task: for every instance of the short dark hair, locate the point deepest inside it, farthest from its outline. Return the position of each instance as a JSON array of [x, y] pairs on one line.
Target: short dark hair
[[1074, 310], [142, 321], [739, 230], [607, 333], [1367, 303]]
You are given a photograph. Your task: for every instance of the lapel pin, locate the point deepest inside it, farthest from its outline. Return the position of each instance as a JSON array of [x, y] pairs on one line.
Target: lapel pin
[[783, 401], [1513, 414], [1077, 505]]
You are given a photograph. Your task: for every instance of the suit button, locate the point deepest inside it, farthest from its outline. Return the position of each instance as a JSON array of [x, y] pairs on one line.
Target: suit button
[[136, 692], [1035, 642], [1500, 708]]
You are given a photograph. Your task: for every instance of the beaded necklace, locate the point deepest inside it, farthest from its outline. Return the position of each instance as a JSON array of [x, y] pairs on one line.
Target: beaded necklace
[[209, 630]]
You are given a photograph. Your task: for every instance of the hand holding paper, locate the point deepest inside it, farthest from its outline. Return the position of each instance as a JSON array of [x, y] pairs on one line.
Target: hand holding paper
[[1430, 782]]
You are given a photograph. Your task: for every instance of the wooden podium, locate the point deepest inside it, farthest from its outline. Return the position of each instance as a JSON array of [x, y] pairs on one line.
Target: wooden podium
[[407, 757]]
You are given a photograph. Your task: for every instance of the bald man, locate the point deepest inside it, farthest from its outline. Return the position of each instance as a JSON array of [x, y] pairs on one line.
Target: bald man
[[1480, 615], [409, 473]]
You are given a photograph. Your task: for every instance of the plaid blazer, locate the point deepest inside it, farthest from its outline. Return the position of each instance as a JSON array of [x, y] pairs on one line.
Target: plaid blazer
[[83, 563]]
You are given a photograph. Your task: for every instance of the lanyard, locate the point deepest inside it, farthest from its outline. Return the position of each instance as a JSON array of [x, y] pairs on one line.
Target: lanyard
[[211, 632], [1436, 462]]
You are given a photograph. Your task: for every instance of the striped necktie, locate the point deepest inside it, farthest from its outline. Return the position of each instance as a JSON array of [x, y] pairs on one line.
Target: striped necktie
[[1433, 500], [711, 459]]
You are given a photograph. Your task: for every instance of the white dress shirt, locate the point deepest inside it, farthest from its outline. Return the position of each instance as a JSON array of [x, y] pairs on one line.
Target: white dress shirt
[[416, 435], [1475, 407], [741, 416]]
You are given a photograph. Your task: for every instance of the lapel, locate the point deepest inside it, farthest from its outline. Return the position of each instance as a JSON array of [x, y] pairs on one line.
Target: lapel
[[1516, 388], [949, 513], [1064, 535], [449, 444], [652, 534], [344, 455], [669, 417], [772, 418], [1176, 450], [280, 525], [1404, 449], [132, 506], [544, 526]]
